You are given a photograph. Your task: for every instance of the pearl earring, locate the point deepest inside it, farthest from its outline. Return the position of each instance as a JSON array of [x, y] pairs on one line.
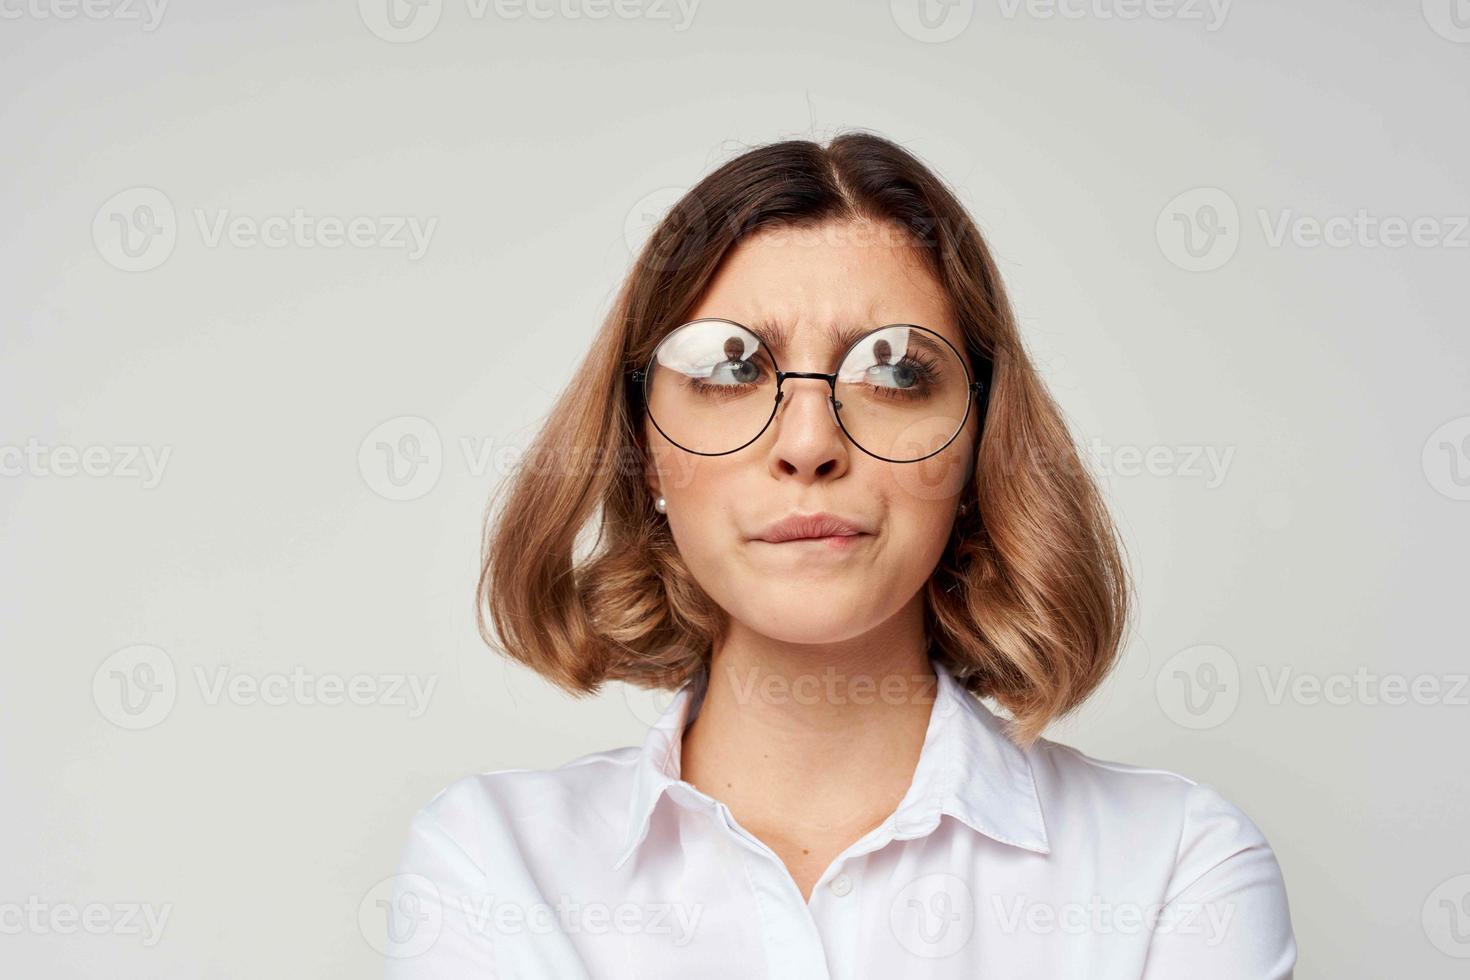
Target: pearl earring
[[661, 505]]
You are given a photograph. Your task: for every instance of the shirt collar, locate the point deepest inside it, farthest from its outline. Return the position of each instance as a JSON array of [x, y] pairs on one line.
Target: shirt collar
[[968, 768]]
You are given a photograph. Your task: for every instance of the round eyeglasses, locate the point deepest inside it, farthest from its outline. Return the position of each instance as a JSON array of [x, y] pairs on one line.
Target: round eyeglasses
[[901, 392]]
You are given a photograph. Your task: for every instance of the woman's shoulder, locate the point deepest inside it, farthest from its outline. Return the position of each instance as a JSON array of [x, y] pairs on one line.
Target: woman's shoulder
[[1071, 777], [1199, 852], [583, 795], [1209, 834], [579, 781]]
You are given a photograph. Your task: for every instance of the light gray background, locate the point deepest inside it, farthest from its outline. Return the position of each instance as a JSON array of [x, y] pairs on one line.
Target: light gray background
[[1331, 383]]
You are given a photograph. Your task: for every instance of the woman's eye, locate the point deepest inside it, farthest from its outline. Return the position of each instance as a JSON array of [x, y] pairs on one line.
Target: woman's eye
[[735, 372], [900, 375]]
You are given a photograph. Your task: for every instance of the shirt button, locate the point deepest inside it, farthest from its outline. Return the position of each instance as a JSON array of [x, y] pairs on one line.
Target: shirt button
[[841, 885]]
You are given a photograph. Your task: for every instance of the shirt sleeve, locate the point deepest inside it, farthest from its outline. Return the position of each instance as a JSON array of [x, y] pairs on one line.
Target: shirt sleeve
[[433, 931], [1226, 917]]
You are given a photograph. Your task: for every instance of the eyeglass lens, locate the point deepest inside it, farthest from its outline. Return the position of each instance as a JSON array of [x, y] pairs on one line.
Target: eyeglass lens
[[902, 391]]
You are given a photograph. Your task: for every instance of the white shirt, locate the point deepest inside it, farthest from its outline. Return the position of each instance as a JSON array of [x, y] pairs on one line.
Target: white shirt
[[999, 862]]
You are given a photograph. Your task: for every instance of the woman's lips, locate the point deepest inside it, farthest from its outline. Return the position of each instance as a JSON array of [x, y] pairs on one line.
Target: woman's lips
[[820, 526], [839, 542]]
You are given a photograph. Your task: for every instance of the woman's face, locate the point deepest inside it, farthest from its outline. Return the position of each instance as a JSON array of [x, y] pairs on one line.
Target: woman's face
[[815, 591]]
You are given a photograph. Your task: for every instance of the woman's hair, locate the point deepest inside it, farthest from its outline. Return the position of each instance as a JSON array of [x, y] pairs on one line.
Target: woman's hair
[[1027, 604]]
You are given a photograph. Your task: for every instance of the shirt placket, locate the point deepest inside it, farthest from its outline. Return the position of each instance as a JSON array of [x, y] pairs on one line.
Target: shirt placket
[[815, 940], [836, 907], [793, 944]]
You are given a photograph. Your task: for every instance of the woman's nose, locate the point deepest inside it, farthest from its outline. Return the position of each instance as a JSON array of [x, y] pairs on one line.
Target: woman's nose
[[809, 441]]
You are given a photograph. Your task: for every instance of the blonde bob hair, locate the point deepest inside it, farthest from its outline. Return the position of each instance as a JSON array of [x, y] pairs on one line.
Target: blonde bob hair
[[1027, 605]]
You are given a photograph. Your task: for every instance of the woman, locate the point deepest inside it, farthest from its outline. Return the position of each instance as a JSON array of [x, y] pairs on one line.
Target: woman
[[834, 504]]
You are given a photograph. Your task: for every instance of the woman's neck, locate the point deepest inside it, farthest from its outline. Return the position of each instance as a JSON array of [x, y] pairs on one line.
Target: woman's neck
[[812, 746]]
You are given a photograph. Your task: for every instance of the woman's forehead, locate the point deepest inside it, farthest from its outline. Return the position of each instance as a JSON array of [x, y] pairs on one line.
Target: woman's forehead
[[820, 294]]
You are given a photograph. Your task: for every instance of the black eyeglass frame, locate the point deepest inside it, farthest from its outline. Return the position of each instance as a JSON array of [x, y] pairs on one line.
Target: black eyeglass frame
[[979, 387]]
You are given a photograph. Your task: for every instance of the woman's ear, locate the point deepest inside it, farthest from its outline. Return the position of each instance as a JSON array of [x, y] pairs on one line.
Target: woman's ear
[[650, 474]]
